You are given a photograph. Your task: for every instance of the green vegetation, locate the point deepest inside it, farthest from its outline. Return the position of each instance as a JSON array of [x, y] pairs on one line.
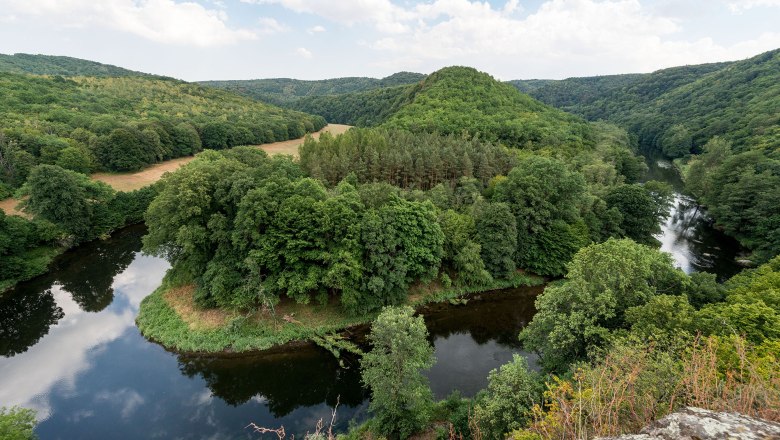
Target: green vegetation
[[362, 109], [17, 423], [58, 65], [726, 114], [403, 159], [506, 404], [400, 396], [68, 208], [741, 191], [455, 100], [285, 91], [624, 340], [123, 124], [26, 249]]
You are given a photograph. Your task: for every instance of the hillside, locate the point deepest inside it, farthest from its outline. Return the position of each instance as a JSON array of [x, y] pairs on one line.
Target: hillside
[[362, 109], [726, 114], [122, 124], [281, 91], [454, 100], [58, 65]]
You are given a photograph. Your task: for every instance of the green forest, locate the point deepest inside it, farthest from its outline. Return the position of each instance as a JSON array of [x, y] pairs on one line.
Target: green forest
[[288, 92], [719, 120], [450, 185], [54, 127]]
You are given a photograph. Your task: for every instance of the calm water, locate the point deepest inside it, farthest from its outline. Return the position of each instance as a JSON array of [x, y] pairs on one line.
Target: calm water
[[688, 233], [69, 349]]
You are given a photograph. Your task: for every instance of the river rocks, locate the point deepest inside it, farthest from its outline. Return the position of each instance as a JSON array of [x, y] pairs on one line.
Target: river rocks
[[701, 424]]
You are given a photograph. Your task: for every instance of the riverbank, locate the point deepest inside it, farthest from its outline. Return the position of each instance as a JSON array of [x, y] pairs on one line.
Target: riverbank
[[169, 318]]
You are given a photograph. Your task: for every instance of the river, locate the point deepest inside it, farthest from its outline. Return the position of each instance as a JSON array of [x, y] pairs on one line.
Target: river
[[687, 233], [70, 350]]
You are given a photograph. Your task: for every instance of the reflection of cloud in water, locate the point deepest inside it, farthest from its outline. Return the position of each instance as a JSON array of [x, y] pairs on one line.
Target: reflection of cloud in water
[[126, 399], [140, 279], [58, 358]]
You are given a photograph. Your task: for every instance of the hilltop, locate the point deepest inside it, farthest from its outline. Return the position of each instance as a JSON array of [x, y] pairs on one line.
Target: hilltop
[[455, 100]]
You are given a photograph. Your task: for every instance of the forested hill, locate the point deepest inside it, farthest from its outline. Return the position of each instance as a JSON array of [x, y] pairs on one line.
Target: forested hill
[[282, 91], [455, 100], [58, 65], [726, 115], [124, 123]]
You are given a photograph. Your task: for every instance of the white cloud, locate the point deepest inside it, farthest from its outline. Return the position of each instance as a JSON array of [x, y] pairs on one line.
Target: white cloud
[[163, 21], [742, 5], [304, 53], [383, 14], [316, 29], [561, 38], [270, 26]]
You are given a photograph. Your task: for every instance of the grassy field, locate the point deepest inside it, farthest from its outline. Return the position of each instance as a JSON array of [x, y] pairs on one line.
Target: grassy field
[[149, 175]]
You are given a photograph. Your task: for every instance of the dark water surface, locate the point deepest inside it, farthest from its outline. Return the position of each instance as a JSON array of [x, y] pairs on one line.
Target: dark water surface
[[70, 350]]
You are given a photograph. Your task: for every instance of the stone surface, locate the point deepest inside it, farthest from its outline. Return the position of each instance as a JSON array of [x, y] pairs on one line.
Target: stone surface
[[700, 424]]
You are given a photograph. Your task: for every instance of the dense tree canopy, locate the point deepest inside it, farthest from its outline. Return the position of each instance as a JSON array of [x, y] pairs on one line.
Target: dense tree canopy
[[124, 123], [293, 92], [726, 112], [603, 281]]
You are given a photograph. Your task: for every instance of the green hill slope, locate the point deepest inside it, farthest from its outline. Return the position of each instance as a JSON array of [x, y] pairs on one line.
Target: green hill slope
[[282, 91], [454, 100], [63, 66], [726, 114], [125, 123], [363, 109]]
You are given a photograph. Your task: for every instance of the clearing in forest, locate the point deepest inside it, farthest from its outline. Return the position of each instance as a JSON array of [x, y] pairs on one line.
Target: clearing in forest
[[153, 173]]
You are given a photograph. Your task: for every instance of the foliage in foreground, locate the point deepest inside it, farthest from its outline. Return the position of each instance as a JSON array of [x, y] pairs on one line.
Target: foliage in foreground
[[400, 396], [17, 423], [634, 384]]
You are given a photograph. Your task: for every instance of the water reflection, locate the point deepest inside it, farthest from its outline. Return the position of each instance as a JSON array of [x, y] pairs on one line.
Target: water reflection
[[72, 352], [62, 306], [688, 233], [23, 323], [304, 377], [470, 340]]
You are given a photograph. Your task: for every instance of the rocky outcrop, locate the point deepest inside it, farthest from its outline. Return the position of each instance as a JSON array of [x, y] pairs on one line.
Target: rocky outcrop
[[701, 424]]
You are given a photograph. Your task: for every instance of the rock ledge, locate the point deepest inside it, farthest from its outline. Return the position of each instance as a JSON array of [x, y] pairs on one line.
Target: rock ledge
[[701, 424]]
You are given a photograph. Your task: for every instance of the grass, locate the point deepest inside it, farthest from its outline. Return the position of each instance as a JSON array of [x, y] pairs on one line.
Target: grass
[[169, 317]]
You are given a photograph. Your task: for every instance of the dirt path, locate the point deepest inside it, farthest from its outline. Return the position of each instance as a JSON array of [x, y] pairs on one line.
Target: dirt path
[[9, 205], [153, 173]]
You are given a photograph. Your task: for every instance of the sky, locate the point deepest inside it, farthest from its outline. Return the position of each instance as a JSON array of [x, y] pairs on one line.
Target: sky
[[316, 39]]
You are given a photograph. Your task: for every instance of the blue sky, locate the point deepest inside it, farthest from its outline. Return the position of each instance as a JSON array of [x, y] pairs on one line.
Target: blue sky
[[314, 39]]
